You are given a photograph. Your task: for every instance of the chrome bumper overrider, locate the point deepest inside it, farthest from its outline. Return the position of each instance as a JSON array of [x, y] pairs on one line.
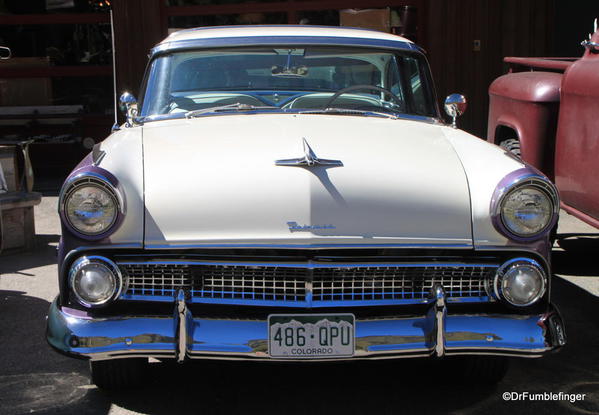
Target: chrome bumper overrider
[[182, 336]]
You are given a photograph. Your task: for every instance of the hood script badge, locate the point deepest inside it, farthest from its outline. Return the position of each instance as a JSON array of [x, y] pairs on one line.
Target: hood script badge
[[294, 227], [309, 160]]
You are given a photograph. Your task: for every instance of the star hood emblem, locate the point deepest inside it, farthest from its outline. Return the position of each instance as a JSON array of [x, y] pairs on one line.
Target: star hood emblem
[[309, 160]]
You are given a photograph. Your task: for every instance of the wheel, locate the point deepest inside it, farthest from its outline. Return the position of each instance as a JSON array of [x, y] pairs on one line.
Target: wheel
[[512, 145], [487, 370], [118, 373]]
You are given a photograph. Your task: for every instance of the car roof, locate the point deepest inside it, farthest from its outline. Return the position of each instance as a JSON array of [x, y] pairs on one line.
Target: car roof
[[279, 30], [228, 36]]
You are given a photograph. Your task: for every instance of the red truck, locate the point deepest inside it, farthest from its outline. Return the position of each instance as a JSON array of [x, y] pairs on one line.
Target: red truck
[[546, 111]]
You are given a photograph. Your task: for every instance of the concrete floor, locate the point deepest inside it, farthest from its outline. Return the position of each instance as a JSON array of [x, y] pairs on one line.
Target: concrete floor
[[33, 378]]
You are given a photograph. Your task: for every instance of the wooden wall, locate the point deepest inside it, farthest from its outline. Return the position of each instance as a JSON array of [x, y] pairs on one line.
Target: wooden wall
[[504, 28], [137, 28]]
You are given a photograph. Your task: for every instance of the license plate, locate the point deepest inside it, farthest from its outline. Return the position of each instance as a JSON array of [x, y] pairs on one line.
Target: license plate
[[309, 336]]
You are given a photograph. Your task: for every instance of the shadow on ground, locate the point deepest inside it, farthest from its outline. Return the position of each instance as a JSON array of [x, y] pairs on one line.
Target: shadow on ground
[[34, 378], [43, 254], [578, 257]]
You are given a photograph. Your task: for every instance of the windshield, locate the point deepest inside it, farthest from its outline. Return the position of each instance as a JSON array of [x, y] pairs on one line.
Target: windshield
[[284, 79]]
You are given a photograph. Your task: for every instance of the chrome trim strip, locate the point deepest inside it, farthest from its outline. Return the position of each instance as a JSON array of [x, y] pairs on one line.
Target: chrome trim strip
[[82, 249], [516, 248], [373, 356], [306, 303], [307, 246], [458, 350], [237, 357], [386, 356], [313, 264], [180, 115]]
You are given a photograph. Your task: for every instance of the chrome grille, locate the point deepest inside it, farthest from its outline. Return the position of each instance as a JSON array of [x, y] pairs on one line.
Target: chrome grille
[[304, 286], [393, 283], [157, 279], [251, 283]]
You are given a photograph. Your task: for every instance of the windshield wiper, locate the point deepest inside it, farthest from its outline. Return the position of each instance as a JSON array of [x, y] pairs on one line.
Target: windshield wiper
[[347, 111], [231, 107]]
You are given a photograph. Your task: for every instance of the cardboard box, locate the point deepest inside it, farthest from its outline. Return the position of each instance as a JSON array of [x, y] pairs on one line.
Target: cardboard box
[[377, 19]]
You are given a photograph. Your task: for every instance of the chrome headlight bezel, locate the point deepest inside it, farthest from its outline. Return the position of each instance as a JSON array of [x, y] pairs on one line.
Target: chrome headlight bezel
[[81, 262], [507, 187], [498, 286], [103, 182]]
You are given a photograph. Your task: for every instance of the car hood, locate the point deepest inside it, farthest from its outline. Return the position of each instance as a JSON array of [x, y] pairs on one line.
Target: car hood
[[213, 181]]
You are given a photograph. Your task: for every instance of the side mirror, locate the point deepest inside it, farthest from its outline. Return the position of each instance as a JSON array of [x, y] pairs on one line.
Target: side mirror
[[5, 53], [455, 105], [128, 104]]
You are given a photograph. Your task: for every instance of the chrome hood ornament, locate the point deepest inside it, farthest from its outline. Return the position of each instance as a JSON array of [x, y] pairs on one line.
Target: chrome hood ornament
[[309, 159]]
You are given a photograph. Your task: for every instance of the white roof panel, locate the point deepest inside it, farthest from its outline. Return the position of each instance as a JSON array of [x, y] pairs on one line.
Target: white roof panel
[[282, 30]]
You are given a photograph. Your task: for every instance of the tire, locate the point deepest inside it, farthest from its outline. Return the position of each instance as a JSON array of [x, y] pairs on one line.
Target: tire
[[512, 145], [487, 370], [118, 374]]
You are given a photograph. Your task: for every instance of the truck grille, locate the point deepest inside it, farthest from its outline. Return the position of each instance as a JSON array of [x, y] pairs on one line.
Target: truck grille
[[301, 286]]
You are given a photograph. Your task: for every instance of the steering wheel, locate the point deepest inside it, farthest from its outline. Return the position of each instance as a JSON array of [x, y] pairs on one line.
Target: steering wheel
[[359, 87]]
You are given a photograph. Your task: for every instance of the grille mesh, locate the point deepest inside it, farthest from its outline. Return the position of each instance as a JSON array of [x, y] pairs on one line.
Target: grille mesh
[[251, 283], [393, 283], [289, 284]]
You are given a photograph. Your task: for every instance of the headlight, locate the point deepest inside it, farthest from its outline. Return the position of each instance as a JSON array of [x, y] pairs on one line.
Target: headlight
[[527, 208], [95, 280], [520, 282], [526, 211], [90, 205]]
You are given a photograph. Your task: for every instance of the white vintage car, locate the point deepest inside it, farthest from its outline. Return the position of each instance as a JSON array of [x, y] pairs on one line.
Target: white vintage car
[[293, 193]]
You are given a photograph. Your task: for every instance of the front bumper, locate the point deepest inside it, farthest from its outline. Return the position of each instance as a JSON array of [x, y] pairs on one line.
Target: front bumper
[[182, 336]]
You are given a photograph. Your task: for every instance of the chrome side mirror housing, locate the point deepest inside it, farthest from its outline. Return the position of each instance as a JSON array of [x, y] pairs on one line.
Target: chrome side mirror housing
[[128, 104], [5, 53], [590, 45], [455, 105]]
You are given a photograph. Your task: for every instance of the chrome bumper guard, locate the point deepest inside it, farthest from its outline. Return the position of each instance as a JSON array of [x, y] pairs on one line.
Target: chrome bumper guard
[[184, 337]]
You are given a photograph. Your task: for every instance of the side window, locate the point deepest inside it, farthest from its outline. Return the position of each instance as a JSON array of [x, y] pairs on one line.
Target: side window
[[415, 79], [394, 79]]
